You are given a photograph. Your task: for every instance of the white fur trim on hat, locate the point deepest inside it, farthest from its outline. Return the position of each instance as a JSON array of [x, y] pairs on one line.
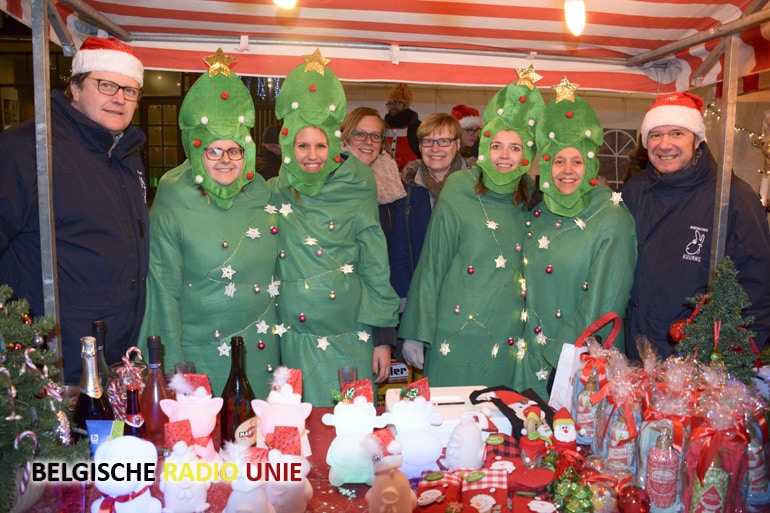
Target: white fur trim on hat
[[675, 115], [470, 122], [114, 61]]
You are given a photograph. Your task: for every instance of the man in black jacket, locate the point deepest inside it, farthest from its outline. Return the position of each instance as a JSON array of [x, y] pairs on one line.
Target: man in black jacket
[[402, 123], [672, 202], [99, 203]]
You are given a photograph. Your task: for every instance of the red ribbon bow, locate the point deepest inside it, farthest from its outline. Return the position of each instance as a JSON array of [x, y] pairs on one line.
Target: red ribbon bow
[[108, 504]]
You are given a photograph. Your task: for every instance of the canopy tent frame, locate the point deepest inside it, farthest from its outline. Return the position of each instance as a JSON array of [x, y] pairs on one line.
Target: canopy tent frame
[[42, 14]]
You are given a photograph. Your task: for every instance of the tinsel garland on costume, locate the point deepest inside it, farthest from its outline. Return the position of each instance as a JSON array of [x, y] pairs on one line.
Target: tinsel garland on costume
[[718, 332], [33, 419]]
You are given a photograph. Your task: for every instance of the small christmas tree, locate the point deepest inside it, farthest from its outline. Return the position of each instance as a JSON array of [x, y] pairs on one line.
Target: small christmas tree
[[720, 318], [30, 400]]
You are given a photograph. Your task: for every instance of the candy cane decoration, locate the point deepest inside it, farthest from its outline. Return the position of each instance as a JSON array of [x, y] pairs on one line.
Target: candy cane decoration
[[52, 389], [28, 466]]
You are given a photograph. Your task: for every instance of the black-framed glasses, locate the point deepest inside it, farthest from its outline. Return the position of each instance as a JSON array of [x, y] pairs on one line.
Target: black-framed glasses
[[132, 94], [391, 103], [471, 131], [443, 142], [218, 153], [360, 136]]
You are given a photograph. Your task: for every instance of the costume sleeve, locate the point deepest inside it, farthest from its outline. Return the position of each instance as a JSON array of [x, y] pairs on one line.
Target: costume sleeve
[[748, 245], [610, 277], [379, 302], [441, 245], [164, 283]]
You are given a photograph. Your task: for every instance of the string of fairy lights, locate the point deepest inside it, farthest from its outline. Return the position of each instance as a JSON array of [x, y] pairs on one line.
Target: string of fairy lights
[[753, 135]]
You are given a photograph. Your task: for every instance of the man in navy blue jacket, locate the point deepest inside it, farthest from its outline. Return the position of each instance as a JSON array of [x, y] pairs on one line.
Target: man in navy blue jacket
[[672, 201], [99, 203]]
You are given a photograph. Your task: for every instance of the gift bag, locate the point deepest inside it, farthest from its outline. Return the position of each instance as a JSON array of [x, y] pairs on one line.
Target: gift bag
[[513, 404], [569, 361]]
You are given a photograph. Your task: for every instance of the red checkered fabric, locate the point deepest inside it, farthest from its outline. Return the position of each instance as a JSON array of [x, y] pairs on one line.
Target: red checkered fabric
[[485, 488], [436, 491]]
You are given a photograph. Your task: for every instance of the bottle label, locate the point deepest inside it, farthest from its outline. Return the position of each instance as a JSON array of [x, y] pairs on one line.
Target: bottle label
[[619, 453], [136, 420], [757, 472], [661, 478], [712, 496], [246, 432], [586, 414]]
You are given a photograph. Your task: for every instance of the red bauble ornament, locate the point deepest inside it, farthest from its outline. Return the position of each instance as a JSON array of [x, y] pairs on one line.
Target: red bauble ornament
[[569, 114], [284, 131], [312, 88], [273, 230], [197, 143], [487, 133], [593, 181], [224, 95], [633, 499], [546, 157], [677, 330], [337, 159], [522, 99], [261, 345], [250, 175], [525, 162]]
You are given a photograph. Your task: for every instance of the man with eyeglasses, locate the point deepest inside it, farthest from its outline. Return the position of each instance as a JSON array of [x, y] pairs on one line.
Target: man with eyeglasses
[[470, 122], [402, 123], [99, 203]]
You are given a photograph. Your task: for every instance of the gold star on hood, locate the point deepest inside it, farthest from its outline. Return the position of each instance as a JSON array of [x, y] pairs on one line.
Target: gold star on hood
[[565, 90], [316, 62], [219, 63], [528, 77]]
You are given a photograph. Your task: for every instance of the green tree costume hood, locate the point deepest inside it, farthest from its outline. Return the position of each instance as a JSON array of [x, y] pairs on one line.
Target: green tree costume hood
[[517, 107], [311, 96], [218, 106], [568, 122]]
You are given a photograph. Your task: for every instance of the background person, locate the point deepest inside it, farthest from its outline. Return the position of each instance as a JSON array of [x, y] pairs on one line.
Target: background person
[[402, 123], [337, 305], [423, 179], [363, 135], [99, 195], [462, 303], [269, 156], [212, 252], [672, 201], [470, 122]]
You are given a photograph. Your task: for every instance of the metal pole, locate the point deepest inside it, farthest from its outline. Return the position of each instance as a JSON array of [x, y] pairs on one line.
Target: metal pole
[[40, 65], [725, 169]]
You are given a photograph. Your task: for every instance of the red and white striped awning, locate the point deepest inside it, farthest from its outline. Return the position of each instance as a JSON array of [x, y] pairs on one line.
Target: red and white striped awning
[[459, 42]]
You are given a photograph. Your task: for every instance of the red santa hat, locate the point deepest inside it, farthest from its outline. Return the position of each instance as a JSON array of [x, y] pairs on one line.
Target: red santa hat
[[108, 54], [562, 416], [467, 116], [678, 109]]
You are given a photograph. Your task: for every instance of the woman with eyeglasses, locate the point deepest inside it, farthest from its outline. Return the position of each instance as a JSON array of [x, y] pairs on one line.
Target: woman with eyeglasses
[[212, 246], [363, 135], [439, 137]]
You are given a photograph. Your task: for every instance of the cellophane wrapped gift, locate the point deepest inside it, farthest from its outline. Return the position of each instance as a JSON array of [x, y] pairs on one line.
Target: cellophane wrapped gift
[[665, 434], [618, 429], [716, 458]]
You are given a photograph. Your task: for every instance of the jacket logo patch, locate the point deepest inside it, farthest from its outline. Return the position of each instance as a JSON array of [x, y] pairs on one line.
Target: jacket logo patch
[[693, 249]]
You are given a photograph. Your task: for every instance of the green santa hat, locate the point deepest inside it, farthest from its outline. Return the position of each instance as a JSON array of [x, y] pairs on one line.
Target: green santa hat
[[218, 106], [516, 107], [568, 122], [311, 95]]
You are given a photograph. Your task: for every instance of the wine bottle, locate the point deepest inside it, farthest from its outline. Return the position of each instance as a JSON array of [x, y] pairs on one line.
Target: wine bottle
[[92, 403], [134, 423], [236, 419], [155, 389], [99, 332]]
